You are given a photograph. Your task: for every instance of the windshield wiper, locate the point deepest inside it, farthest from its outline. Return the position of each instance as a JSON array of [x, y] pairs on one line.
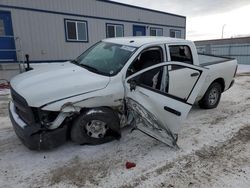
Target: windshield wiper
[[84, 66], [74, 61], [89, 68]]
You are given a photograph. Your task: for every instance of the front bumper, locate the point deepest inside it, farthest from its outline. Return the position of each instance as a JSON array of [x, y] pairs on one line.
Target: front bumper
[[33, 136]]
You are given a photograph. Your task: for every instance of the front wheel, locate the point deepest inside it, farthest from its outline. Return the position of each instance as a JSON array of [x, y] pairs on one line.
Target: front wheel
[[95, 126], [212, 96]]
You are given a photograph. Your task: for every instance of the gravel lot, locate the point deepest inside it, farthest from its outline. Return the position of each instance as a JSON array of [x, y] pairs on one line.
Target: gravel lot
[[214, 152]]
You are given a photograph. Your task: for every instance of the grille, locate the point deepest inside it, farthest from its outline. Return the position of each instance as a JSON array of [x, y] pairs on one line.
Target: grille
[[22, 107]]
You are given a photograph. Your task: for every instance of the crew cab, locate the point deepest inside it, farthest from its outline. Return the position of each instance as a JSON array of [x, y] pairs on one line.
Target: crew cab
[[149, 83]]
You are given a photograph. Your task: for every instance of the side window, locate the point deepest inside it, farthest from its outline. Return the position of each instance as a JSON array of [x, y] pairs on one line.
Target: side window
[[145, 59], [151, 79], [176, 84], [181, 53]]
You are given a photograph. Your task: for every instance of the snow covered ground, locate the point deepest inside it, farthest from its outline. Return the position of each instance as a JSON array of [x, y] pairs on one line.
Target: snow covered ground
[[214, 152]]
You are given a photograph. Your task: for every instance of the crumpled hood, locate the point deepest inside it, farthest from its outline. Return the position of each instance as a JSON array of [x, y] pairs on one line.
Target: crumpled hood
[[56, 81]]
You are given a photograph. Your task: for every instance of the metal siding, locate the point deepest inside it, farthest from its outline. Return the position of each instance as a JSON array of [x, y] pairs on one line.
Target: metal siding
[[44, 32], [100, 9], [239, 51]]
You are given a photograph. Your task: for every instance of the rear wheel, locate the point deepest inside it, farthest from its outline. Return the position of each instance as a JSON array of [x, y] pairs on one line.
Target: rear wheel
[[95, 126], [212, 96]]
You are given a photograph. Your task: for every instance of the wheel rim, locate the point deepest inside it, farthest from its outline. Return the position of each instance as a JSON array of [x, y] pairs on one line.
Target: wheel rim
[[213, 96], [96, 128]]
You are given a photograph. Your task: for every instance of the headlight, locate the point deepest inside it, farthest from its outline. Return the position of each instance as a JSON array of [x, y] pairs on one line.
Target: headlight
[[47, 117]]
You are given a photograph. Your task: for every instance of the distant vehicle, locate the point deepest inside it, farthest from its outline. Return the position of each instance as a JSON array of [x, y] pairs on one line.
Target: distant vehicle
[[149, 82]]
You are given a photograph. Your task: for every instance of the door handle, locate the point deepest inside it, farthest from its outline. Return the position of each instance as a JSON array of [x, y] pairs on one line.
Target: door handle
[[173, 111], [194, 74]]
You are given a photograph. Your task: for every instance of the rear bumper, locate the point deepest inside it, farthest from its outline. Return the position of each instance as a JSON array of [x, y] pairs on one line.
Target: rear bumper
[[33, 136]]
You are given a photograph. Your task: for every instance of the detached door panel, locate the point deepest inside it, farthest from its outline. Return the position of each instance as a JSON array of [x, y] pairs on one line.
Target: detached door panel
[[158, 109]]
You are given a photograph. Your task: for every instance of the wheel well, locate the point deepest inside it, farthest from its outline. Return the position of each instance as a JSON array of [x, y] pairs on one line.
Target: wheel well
[[221, 82], [106, 110], [104, 107]]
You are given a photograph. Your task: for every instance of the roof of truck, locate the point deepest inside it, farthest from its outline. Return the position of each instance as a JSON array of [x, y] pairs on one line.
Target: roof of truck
[[140, 41]]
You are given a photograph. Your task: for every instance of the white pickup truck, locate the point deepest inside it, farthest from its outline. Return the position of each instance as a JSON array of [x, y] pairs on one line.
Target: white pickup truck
[[150, 83]]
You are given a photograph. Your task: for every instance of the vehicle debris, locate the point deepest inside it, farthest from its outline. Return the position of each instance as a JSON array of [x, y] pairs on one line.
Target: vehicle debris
[[130, 165]]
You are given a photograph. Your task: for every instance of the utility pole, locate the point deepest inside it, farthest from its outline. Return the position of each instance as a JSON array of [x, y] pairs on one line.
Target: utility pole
[[222, 34]]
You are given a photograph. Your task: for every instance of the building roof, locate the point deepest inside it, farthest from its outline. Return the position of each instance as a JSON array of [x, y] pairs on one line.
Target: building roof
[[142, 40], [142, 8], [240, 40]]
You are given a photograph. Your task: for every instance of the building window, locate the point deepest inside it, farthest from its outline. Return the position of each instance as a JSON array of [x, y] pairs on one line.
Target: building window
[[114, 30], [76, 31], [175, 33], [156, 31]]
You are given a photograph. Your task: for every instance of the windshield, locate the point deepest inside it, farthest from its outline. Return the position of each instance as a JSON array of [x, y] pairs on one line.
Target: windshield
[[105, 58]]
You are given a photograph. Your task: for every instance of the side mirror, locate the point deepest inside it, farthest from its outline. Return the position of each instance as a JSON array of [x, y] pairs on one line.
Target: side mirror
[[130, 71], [132, 84]]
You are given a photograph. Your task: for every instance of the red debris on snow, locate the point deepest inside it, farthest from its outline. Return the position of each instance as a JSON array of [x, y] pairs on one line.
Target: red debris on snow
[[4, 84], [130, 165]]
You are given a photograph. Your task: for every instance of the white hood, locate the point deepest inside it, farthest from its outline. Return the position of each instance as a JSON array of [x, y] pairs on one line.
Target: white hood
[[55, 82]]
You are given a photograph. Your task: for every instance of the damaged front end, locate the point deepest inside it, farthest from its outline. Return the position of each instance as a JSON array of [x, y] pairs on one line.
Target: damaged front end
[[35, 136], [39, 129]]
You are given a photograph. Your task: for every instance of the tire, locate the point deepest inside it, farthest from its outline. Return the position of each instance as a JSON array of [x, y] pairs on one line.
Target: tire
[[212, 96], [89, 126]]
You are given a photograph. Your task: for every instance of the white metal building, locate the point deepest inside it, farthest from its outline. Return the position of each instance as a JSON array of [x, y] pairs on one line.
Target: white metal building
[[238, 48], [59, 30]]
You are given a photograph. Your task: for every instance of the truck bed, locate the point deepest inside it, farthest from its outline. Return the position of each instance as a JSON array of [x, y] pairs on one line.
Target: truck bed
[[206, 60], [223, 68]]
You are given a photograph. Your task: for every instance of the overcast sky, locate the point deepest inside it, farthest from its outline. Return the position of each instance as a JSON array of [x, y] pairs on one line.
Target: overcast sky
[[205, 18]]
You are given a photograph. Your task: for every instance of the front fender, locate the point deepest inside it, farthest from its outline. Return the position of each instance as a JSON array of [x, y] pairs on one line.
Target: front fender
[[85, 102]]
